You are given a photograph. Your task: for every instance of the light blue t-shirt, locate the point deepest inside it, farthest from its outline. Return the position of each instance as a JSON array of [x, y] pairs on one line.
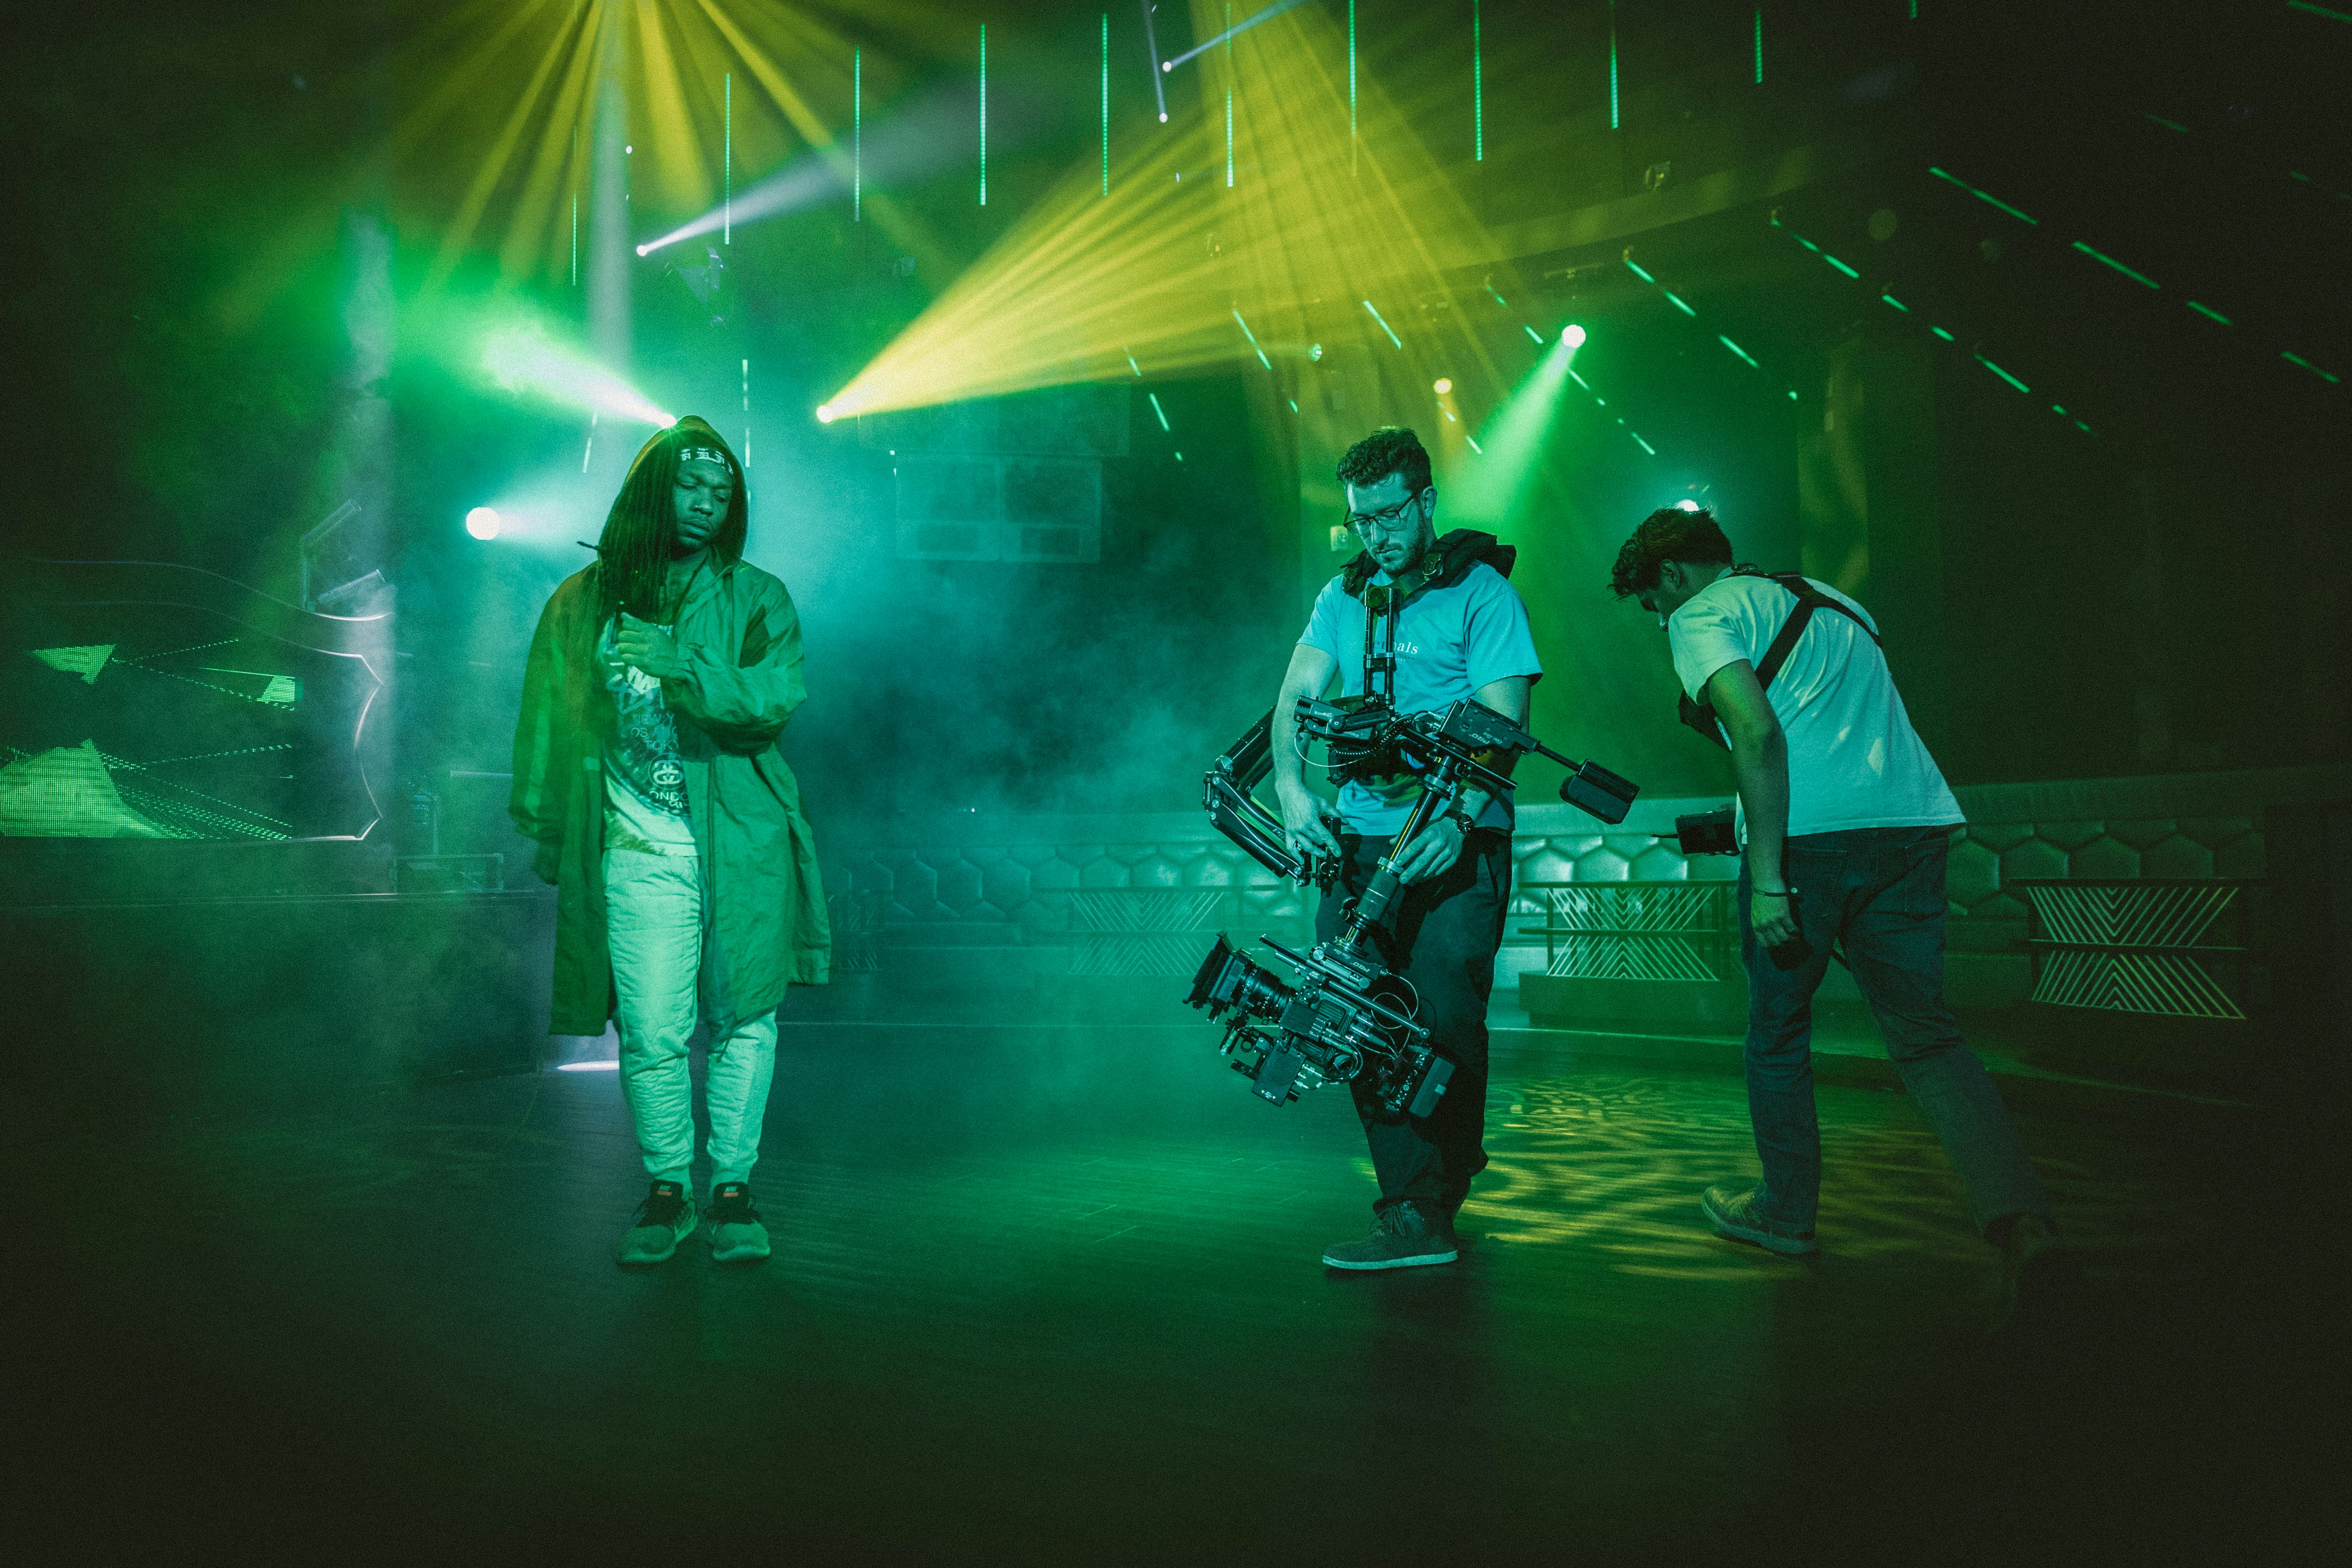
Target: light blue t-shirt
[[1449, 643]]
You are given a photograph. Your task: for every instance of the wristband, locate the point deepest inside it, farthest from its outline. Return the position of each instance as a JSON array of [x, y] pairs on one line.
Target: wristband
[[1769, 893]]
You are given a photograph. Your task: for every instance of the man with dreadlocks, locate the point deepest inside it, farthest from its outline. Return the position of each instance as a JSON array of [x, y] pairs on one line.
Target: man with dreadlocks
[[645, 768]]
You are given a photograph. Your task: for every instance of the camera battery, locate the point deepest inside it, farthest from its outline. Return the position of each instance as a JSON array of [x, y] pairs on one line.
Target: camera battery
[[1277, 1075], [1433, 1086]]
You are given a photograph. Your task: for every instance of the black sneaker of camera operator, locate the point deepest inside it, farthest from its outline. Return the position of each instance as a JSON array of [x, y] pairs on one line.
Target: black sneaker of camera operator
[[1406, 1234]]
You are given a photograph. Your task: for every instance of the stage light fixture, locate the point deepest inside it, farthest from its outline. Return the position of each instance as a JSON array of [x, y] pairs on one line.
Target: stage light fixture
[[826, 414], [1442, 386], [1686, 504], [482, 522], [1572, 335]]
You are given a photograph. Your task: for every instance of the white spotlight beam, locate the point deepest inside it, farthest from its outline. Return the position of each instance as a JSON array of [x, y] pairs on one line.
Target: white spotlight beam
[[1268, 15], [915, 145]]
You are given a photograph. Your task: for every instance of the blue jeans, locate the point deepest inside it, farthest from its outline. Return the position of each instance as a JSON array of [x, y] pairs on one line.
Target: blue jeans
[[1878, 894]]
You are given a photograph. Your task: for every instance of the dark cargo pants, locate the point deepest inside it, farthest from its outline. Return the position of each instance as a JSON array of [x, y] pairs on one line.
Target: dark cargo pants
[[1446, 933]]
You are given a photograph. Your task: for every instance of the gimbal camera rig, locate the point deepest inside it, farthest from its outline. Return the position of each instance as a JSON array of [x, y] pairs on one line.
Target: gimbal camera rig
[[1349, 1015]]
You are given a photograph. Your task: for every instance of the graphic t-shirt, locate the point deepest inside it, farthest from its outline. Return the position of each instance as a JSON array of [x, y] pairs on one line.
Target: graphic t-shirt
[[1855, 761], [1449, 643], [645, 781]]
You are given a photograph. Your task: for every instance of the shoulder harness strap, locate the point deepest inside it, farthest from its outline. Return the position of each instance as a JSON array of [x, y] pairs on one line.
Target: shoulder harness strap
[[1700, 716], [1448, 561]]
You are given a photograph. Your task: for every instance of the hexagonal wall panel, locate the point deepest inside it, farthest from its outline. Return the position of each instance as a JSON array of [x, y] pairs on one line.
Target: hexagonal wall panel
[[2104, 860], [2034, 857], [2179, 856], [1973, 873]]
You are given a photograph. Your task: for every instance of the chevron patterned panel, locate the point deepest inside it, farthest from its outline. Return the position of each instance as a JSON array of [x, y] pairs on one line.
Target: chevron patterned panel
[[1634, 907], [1140, 953], [1148, 909], [2132, 948], [1616, 957], [2166, 984], [2157, 915]]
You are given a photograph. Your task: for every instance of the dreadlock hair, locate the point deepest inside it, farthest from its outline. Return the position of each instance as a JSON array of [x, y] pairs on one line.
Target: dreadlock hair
[[632, 553], [1669, 533], [1391, 449]]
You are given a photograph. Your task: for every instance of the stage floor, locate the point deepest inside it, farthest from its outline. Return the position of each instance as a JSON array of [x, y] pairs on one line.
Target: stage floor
[[1055, 1295]]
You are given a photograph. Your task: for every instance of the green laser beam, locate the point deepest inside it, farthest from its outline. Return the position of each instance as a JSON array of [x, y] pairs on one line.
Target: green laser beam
[[1983, 195], [1477, 88], [1612, 65], [2208, 311], [1840, 265], [1252, 340], [1735, 348], [1384, 325], [2297, 359], [2317, 10], [2099, 256], [2004, 374]]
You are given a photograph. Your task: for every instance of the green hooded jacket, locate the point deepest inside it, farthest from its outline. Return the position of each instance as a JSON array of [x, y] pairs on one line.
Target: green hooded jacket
[[764, 917]]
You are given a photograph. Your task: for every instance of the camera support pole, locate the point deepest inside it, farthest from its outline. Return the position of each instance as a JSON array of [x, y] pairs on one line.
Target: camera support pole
[[1443, 788]]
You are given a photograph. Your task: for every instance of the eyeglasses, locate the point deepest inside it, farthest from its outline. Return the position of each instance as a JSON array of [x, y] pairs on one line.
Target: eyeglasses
[[1383, 520]]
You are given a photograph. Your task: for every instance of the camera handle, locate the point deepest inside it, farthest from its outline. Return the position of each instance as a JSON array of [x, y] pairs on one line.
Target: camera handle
[[1443, 788]]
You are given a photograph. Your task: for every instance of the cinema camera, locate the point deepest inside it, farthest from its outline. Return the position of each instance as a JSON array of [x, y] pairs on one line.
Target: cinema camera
[[1348, 1015]]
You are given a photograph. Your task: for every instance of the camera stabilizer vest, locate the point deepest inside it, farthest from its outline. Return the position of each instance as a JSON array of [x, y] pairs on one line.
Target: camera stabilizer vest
[[1447, 561], [1700, 716]]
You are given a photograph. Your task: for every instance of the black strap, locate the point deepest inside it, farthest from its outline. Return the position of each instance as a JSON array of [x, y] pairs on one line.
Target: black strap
[[1380, 659], [1700, 716]]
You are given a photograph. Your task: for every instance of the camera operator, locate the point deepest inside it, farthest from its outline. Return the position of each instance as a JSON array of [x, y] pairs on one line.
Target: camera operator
[[1848, 824], [1455, 629]]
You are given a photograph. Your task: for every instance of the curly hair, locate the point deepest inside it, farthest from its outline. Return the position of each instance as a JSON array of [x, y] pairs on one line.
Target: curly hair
[[1669, 533], [1391, 449], [634, 550]]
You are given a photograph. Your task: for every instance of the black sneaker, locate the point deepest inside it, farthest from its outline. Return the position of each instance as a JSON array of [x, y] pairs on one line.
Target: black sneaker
[[735, 1234], [1407, 1235], [1731, 1209], [666, 1218]]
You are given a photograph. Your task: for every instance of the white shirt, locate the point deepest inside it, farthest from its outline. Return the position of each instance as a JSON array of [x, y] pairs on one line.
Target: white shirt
[[1855, 761]]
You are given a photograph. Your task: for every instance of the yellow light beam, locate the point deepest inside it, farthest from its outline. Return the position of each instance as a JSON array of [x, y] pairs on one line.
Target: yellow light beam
[[675, 154], [1159, 266], [454, 85], [558, 147], [461, 232]]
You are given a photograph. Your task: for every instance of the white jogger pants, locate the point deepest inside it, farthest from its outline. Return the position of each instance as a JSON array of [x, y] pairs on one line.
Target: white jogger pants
[[652, 912]]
